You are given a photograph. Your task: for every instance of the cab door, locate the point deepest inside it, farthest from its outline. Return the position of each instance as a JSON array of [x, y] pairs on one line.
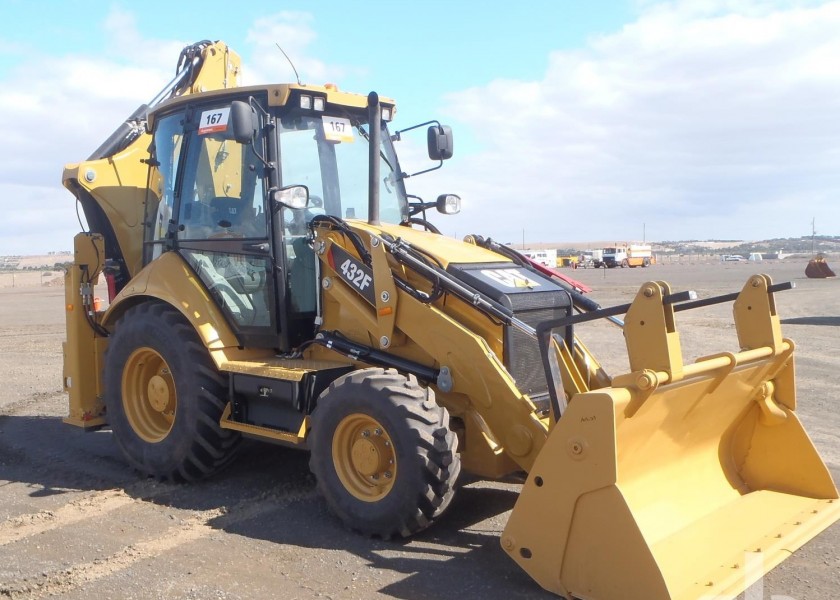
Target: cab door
[[222, 226]]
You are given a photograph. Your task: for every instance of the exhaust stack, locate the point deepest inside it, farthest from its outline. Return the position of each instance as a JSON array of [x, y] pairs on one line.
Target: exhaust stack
[[375, 121]]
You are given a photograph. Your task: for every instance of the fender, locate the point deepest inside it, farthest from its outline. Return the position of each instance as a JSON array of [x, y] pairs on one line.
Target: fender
[[169, 279]]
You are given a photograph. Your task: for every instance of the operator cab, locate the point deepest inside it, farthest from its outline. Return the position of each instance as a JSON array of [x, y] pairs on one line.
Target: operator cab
[[225, 167]]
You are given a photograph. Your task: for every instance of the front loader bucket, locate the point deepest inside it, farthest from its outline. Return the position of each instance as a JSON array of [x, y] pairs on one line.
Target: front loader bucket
[[678, 481], [818, 269]]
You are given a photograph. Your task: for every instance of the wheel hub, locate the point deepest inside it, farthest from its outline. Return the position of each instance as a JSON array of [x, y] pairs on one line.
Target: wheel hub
[[148, 394], [158, 393], [371, 455], [364, 457]]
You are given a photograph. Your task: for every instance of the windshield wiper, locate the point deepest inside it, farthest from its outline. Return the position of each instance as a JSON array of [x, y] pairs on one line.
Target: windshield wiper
[[365, 135]]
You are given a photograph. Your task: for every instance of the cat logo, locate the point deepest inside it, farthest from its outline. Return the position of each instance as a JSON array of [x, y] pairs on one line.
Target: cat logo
[[511, 278]]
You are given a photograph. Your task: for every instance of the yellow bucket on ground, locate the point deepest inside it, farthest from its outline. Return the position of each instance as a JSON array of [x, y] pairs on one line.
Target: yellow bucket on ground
[[678, 481]]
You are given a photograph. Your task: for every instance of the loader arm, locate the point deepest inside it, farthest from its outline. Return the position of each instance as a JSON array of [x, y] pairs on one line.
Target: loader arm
[[656, 483], [470, 378]]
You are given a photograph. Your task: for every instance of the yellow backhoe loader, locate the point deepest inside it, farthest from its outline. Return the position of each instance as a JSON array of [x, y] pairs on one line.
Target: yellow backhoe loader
[[270, 277]]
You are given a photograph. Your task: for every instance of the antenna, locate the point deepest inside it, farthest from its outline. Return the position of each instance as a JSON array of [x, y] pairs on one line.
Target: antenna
[[290, 62]]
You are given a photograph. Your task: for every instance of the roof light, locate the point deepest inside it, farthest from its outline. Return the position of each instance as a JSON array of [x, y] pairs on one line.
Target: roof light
[[318, 103], [386, 113], [331, 86], [306, 102]]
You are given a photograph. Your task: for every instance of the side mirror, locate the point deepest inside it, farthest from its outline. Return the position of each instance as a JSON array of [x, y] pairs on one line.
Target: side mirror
[[243, 123], [448, 204], [439, 140], [292, 196]]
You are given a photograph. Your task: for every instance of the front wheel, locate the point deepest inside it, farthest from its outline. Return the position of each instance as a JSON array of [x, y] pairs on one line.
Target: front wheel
[[164, 397], [383, 454]]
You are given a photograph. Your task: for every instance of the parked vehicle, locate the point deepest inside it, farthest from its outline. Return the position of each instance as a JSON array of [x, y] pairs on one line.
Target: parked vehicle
[[633, 255]]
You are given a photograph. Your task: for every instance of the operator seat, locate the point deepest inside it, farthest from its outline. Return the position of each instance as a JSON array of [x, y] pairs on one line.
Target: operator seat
[[226, 212], [232, 215]]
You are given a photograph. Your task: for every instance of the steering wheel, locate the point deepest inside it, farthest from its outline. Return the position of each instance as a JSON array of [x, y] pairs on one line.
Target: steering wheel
[[227, 234]]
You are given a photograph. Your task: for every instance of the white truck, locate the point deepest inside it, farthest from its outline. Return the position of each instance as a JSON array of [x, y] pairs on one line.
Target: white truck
[[632, 255], [547, 258]]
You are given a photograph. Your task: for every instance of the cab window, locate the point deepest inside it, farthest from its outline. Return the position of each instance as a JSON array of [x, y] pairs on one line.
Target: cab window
[[223, 193]]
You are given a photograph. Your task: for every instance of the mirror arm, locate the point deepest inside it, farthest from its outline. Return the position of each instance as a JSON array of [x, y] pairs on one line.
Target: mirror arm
[[405, 176], [420, 207], [396, 136]]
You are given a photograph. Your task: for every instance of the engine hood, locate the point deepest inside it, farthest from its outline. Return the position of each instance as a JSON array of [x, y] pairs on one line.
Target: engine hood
[[445, 249]]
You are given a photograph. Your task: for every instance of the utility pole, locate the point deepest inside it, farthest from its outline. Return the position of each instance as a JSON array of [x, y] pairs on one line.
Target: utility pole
[[813, 233]]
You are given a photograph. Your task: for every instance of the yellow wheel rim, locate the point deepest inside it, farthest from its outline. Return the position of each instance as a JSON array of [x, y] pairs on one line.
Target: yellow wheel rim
[[148, 395], [364, 457]]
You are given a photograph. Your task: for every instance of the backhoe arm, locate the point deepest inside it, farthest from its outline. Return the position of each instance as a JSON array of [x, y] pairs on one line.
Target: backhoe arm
[[111, 185]]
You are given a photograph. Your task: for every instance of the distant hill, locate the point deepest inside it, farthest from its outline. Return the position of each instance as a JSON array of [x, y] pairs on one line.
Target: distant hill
[[802, 245], [35, 262]]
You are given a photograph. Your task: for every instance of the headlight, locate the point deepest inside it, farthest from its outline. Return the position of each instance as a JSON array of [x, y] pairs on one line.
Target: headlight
[[448, 204]]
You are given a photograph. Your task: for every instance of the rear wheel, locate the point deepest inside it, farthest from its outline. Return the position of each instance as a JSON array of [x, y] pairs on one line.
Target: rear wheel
[[624, 263], [382, 453], [164, 397]]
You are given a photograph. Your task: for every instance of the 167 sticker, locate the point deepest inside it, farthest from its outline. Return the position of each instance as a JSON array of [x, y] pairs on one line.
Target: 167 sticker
[[214, 121]]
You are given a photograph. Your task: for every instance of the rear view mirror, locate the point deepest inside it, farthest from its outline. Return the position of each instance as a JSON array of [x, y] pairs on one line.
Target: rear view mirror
[[439, 139], [243, 124]]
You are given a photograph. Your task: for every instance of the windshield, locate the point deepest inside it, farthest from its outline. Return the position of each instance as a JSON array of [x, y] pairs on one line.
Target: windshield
[[329, 155]]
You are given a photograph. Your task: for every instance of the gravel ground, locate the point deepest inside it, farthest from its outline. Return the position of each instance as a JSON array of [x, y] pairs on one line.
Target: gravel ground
[[75, 522]]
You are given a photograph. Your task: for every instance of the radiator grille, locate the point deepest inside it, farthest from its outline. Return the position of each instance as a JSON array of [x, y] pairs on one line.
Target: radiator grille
[[522, 352]]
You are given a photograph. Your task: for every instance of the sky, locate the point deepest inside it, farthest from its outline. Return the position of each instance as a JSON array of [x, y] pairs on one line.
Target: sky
[[573, 120]]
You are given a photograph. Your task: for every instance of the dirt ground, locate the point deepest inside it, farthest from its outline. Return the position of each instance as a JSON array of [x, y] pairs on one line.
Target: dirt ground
[[75, 522]]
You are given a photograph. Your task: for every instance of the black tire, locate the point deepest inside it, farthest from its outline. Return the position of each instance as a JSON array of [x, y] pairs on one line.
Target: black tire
[[414, 434], [164, 396], [624, 263]]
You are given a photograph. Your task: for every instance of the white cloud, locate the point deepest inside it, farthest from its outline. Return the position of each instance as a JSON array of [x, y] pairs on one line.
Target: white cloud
[[695, 120], [702, 118], [59, 117], [125, 44], [293, 32], [57, 109]]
